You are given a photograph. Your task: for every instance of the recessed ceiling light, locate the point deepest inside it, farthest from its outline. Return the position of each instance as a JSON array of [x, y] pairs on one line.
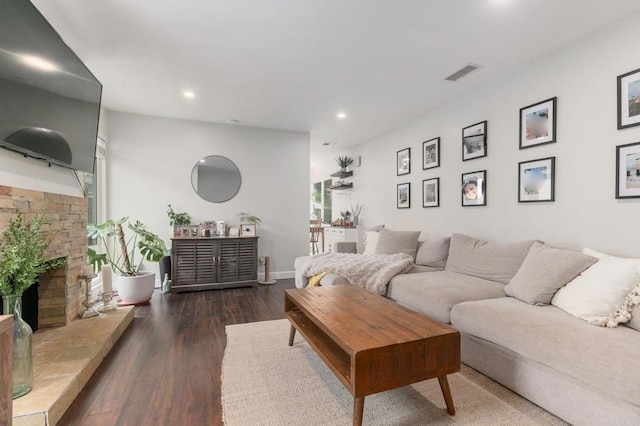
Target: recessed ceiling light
[[341, 115], [189, 94], [38, 62]]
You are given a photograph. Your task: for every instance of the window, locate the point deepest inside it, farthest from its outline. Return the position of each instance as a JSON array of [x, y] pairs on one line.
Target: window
[[94, 187]]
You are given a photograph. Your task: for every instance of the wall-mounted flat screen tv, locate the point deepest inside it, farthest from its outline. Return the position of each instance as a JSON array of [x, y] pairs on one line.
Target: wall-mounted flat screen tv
[[49, 100]]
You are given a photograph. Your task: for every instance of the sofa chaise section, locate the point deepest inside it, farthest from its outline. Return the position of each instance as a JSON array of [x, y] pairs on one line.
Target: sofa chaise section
[[582, 373]]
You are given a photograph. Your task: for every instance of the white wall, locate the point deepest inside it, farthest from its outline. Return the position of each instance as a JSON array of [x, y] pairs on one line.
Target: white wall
[[585, 213], [150, 164]]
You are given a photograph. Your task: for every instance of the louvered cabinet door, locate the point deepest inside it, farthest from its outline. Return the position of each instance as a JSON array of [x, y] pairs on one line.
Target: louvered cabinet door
[[183, 262], [238, 260]]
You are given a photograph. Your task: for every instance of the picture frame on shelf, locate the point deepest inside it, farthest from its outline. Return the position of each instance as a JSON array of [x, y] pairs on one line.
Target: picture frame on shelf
[[234, 231], [431, 154], [536, 180], [210, 225], [403, 161], [403, 196], [248, 230], [180, 231], [474, 189], [538, 123], [194, 230], [474, 141], [221, 228], [629, 99], [628, 171], [431, 192]]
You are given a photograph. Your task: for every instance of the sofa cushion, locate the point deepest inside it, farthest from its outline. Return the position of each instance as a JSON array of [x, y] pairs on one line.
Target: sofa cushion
[[360, 233], [435, 293], [598, 294], [371, 239], [601, 358], [544, 271], [393, 242], [433, 253], [495, 261]]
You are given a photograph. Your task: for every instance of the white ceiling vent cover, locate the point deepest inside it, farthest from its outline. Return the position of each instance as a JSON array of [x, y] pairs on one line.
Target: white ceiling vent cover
[[463, 71]]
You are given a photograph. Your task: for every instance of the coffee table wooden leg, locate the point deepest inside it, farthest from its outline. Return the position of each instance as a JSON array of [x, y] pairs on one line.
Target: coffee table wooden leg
[[292, 334], [358, 410], [446, 392]]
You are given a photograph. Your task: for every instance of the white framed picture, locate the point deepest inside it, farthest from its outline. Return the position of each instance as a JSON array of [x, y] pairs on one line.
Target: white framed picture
[[248, 230]]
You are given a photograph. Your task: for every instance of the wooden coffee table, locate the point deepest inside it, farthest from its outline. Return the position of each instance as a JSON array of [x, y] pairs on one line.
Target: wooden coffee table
[[371, 343]]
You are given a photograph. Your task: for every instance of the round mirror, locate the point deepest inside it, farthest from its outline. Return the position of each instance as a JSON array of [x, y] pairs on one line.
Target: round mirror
[[216, 178]]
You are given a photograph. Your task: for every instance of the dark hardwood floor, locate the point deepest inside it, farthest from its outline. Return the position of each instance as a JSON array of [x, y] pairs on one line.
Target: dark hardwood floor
[[165, 369]]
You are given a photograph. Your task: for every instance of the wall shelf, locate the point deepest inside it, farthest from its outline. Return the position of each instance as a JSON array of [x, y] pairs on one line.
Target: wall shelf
[[342, 174]]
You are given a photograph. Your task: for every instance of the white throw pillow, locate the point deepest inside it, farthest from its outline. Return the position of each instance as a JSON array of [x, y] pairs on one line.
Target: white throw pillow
[[598, 294], [371, 239]]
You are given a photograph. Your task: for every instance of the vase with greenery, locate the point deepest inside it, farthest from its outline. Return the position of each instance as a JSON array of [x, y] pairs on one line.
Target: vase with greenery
[[344, 162], [177, 219], [249, 218], [22, 260]]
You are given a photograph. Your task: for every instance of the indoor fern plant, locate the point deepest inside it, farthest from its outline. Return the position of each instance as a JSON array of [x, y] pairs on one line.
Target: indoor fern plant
[[22, 255], [120, 251]]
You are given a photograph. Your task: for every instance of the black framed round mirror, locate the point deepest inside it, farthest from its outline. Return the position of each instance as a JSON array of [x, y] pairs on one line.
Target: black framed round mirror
[[216, 178]]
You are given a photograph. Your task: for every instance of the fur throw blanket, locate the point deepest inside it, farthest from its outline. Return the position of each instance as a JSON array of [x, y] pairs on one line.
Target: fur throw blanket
[[371, 272]]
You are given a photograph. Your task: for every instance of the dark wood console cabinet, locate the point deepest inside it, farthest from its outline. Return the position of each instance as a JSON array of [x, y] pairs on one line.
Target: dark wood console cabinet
[[210, 263]]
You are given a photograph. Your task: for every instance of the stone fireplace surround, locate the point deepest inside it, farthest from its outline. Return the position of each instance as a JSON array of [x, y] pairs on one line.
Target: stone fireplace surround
[[60, 292]]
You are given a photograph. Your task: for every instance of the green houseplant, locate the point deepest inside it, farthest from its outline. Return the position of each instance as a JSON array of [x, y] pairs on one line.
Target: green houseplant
[[177, 218], [22, 260], [249, 218], [134, 286], [344, 162]]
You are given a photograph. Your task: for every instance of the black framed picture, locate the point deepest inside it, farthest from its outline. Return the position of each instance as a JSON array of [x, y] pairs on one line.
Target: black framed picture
[[431, 192], [404, 196], [629, 99], [628, 170], [403, 160], [474, 189], [474, 141], [431, 154], [538, 123], [536, 180]]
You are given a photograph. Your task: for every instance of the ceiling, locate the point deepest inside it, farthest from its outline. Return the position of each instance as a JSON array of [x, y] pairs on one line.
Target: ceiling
[[294, 64]]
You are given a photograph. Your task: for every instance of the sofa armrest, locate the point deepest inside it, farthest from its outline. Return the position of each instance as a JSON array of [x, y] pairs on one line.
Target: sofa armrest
[[344, 247]]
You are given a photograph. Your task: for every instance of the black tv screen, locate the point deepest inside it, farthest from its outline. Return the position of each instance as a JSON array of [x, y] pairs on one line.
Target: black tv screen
[[49, 100]]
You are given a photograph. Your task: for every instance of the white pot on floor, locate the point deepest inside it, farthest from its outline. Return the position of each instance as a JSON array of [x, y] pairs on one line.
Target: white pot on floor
[[138, 289]]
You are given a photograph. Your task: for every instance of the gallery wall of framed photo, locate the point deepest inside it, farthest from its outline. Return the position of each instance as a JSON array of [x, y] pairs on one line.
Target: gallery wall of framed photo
[[557, 161]]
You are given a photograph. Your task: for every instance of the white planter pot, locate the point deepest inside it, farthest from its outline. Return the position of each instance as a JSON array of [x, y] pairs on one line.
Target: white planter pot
[[136, 289]]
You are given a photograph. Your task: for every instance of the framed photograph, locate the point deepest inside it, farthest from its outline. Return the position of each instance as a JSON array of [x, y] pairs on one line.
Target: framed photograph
[[629, 99], [474, 141], [210, 225], [628, 171], [179, 231], [536, 180], [538, 124], [431, 192], [234, 231], [474, 189], [248, 230], [194, 230], [403, 158], [404, 196], [221, 228], [431, 154]]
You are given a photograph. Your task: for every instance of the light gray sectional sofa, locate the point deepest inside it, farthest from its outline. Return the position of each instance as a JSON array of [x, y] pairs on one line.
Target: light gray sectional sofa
[[584, 374]]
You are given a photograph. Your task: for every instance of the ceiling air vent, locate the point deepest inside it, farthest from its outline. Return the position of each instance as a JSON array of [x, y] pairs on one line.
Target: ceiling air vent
[[462, 72]]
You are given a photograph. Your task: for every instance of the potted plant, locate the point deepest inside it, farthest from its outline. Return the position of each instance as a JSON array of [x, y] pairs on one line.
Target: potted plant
[[177, 219], [134, 286], [249, 218], [344, 162], [22, 260]]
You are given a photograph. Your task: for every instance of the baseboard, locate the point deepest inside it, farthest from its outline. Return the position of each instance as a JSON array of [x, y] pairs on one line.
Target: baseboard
[[280, 275]]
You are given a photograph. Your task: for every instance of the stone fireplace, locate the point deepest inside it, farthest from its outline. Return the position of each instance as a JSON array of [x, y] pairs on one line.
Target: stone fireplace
[[60, 291]]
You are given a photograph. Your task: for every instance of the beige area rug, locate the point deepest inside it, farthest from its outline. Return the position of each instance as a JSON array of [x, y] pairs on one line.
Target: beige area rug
[[266, 382]]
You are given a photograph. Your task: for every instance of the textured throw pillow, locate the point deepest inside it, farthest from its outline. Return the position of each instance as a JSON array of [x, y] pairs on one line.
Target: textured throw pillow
[[493, 261], [360, 233], [598, 294], [433, 253], [544, 271], [635, 316], [371, 239], [392, 242]]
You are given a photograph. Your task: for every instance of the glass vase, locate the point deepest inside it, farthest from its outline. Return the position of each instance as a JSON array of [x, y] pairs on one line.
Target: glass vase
[[22, 347]]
